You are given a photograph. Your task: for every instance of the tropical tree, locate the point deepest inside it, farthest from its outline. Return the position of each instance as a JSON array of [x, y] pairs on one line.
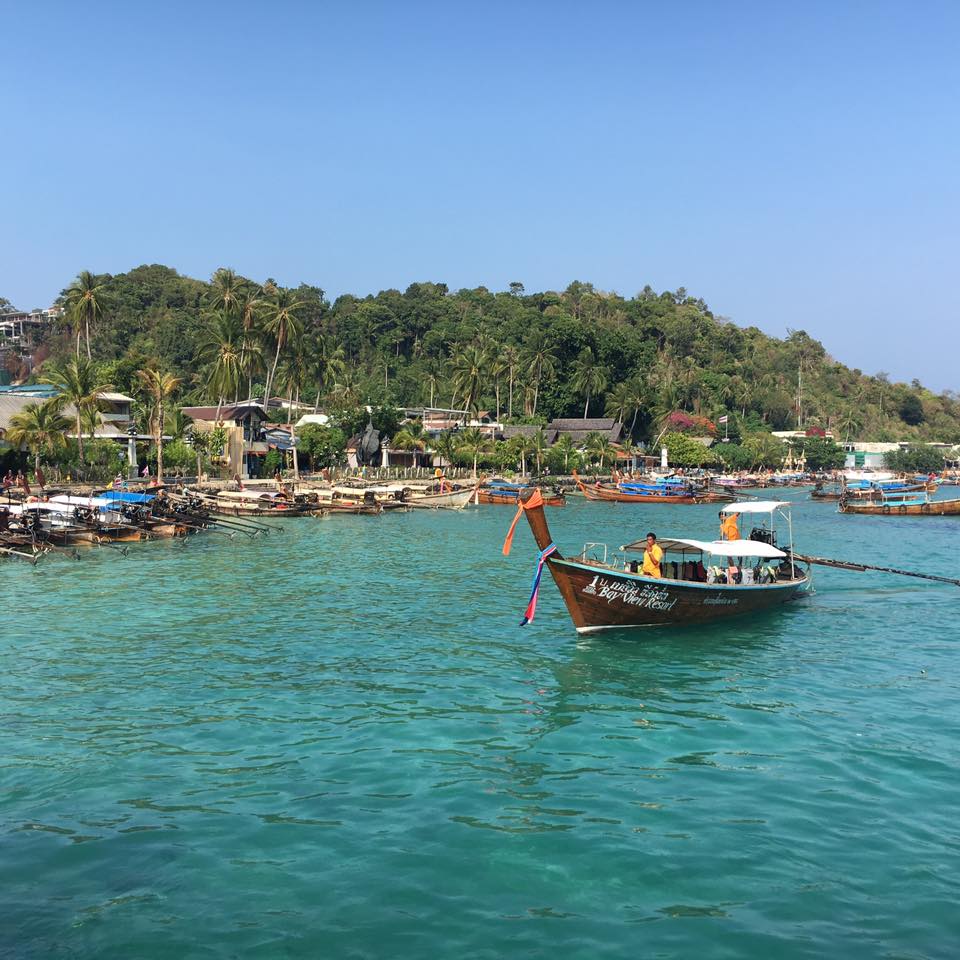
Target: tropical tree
[[432, 374], [849, 423], [469, 369], [541, 361], [445, 445], [474, 443], [227, 291], [619, 402], [159, 387], [281, 323], [601, 448], [565, 447], [41, 427], [539, 444], [522, 446], [509, 362], [222, 349], [200, 441], [411, 438], [85, 298], [346, 390], [589, 377], [328, 362], [78, 383]]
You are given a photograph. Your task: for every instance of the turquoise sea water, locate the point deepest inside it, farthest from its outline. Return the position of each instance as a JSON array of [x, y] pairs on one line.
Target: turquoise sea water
[[337, 742]]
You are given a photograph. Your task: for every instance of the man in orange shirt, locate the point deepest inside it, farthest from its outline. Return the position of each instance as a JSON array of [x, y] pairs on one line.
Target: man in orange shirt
[[728, 527]]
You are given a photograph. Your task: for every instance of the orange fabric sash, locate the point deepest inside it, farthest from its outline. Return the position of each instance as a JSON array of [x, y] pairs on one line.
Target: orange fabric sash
[[536, 500]]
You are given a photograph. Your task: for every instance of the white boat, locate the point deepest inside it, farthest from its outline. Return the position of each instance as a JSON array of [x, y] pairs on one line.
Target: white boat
[[449, 500], [867, 475]]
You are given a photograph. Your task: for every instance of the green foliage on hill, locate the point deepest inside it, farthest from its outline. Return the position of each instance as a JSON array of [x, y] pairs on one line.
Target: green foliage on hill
[[915, 459], [536, 355]]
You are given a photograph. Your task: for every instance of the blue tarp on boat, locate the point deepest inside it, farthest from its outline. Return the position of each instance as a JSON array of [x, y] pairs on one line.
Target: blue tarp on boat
[[126, 496]]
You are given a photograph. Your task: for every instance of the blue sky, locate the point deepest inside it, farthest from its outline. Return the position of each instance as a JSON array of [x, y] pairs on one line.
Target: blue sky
[[796, 165]]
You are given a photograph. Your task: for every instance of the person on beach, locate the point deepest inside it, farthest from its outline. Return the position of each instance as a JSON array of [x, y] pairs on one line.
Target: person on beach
[[652, 555]]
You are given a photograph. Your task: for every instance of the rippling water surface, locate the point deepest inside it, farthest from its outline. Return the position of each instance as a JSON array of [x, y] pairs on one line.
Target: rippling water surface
[[336, 742]]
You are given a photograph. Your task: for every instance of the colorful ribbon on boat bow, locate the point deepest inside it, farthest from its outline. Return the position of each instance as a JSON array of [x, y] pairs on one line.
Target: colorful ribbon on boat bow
[[535, 591], [531, 503]]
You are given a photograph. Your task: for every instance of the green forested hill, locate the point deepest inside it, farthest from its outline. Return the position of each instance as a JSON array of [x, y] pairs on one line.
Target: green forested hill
[[545, 354]]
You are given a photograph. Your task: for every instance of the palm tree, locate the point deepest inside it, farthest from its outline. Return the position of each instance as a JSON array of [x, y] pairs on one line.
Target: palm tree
[[522, 446], [41, 427], [510, 363], [636, 399], [619, 402], [282, 324], [177, 424], [90, 421], [433, 372], [227, 291], [222, 349], [600, 446], [497, 368], [475, 443], [469, 369], [79, 384], [539, 444], [565, 445], [446, 446], [589, 377], [850, 423], [412, 438], [85, 302], [328, 362], [159, 387], [742, 391], [542, 362], [248, 309]]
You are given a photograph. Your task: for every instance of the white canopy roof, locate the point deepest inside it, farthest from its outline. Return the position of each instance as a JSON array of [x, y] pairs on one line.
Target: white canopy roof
[[41, 506], [716, 548], [755, 506], [248, 494], [98, 502]]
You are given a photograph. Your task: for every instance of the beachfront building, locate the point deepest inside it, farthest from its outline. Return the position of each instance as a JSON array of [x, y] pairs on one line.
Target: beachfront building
[[116, 413], [243, 424], [578, 429], [870, 456]]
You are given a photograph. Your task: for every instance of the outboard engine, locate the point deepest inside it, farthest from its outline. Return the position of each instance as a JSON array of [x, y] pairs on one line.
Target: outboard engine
[[764, 536]]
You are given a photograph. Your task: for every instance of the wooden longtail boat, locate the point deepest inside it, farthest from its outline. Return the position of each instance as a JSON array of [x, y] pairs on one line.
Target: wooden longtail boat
[[869, 492], [446, 500], [605, 595], [509, 494], [256, 503], [906, 506], [618, 494]]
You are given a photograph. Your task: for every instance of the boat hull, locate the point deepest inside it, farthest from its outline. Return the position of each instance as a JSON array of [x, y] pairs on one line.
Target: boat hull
[[454, 500], [599, 598], [511, 499], [935, 508], [619, 496]]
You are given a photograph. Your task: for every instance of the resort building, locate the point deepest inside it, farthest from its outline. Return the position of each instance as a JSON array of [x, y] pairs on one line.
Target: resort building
[[245, 444], [578, 429]]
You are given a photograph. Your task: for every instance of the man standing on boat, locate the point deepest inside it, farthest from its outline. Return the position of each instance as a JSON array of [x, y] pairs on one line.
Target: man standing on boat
[[728, 527], [652, 555]]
